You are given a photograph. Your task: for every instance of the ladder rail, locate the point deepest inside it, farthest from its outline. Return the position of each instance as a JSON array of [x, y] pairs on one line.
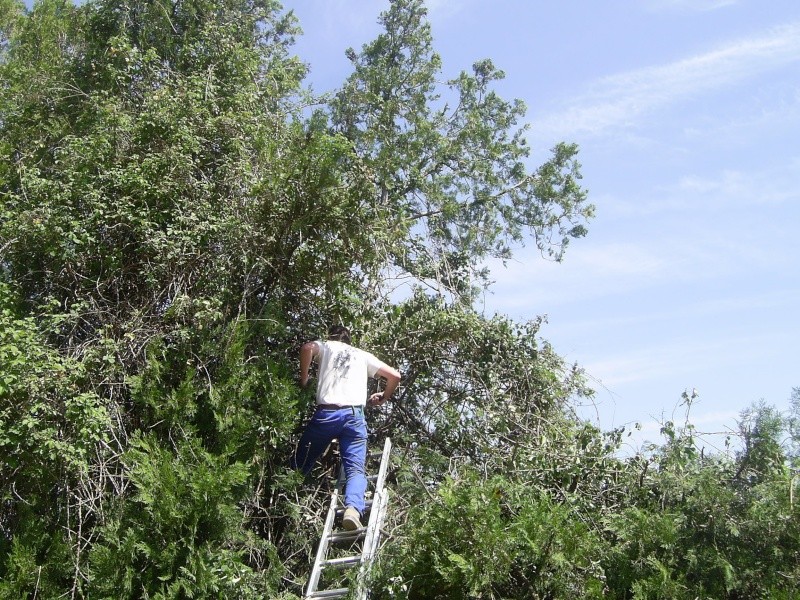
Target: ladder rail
[[378, 500], [384, 468], [376, 515], [371, 543], [324, 542]]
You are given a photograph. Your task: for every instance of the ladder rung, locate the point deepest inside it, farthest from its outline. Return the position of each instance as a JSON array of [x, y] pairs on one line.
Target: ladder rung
[[354, 535], [332, 593], [342, 562]]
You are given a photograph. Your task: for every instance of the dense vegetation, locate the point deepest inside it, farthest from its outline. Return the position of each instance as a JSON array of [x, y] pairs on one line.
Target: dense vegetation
[[178, 215]]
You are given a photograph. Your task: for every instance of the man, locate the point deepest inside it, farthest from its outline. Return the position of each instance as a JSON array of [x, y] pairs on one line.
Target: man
[[341, 395]]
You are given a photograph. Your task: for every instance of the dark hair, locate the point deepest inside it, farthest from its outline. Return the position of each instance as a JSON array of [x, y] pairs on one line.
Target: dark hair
[[339, 333]]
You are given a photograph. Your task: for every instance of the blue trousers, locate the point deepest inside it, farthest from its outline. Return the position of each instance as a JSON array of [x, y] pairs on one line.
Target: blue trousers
[[350, 427]]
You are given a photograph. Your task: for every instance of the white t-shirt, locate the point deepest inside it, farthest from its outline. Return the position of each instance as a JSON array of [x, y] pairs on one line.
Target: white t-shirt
[[343, 373]]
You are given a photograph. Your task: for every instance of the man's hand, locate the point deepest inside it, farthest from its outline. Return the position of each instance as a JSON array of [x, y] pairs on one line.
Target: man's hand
[[377, 399], [392, 376]]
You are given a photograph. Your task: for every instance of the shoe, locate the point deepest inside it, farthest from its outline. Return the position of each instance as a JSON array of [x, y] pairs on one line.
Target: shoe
[[351, 519]]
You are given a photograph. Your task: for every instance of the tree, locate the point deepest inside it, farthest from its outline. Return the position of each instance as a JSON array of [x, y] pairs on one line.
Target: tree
[[763, 455], [49, 429], [449, 165], [143, 143], [793, 423]]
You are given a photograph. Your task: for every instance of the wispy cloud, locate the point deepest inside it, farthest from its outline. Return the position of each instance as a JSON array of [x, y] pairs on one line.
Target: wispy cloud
[[732, 307], [709, 193], [732, 187], [689, 5], [346, 20], [529, 284], [341, 21], [675, 257], [623, 99], [688, 357], [446, 8], [610, 269], [653, 363]]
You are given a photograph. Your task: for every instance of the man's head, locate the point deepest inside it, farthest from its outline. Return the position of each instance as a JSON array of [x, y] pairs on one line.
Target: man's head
[[339, 333]]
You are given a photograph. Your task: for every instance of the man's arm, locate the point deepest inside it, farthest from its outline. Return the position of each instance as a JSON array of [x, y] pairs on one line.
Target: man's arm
[[392, 377], [307, 353]]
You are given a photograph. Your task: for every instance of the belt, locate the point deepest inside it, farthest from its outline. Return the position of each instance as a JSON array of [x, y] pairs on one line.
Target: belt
[[357, 410]]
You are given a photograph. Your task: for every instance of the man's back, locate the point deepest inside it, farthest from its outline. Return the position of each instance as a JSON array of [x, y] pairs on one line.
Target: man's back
[[343, 373]]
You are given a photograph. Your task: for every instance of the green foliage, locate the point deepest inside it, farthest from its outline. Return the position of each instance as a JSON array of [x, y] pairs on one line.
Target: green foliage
[[49, 430], [671, 523], [763, 456], [38, 560], [475, 384], [136, 140], [692, 528], [180, 533], [492, 538], [11, 16], [450, 163]]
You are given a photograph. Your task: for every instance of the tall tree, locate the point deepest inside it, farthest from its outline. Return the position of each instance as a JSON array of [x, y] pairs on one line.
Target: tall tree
[[450, 161], [156, 192]]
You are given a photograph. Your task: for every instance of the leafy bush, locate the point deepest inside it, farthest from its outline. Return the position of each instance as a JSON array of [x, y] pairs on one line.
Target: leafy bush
[[491, 538]]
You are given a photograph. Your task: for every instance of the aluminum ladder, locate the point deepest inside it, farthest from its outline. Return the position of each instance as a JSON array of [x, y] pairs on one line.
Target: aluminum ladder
[[368, 538]]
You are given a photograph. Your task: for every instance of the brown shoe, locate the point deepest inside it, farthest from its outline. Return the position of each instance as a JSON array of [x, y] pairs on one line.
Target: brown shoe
[[351, 519]]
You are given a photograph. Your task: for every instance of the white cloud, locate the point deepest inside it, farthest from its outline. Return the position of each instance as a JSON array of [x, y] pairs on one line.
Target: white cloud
[[715, 417], [623, 99], [642, 366], [657, 361], [688, 358], [348, 20], [769, 109], [641, 384], [730, 189], [441, 9], [689, 5], [607, 269], [747, 303], [341, 22]]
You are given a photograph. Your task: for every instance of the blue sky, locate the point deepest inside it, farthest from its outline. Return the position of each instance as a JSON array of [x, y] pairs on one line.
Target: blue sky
[[687, 113]]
